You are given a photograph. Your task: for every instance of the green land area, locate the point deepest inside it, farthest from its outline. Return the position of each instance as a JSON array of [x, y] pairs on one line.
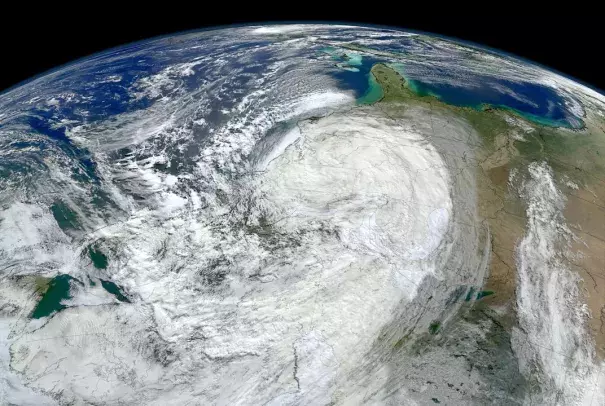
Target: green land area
[[507, 142]]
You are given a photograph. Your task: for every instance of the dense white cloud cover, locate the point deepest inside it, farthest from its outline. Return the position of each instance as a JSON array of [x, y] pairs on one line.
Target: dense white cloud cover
[[304, 229]]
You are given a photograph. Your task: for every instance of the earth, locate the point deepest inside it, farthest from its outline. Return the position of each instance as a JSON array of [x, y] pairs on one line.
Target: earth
[[302, 214]]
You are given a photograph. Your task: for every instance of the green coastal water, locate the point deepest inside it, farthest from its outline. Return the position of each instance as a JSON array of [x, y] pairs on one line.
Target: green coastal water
[[484, 293], [469, 295], [99, 260], [58, 289], [534, 102], [546, 108], [374, 92], [434, 327], [114, 290], [66, 218], [353, 58], [355, 73]]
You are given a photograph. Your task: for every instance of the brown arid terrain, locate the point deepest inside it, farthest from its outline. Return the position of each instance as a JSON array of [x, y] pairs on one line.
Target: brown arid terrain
[[585, 217], [497, 159]]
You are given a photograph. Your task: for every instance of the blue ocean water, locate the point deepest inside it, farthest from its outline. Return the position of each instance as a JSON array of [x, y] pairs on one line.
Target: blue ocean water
[[532, 101], [360, 80]]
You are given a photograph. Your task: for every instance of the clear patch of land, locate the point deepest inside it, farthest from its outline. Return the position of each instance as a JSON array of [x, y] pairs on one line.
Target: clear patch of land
[[507, 144]]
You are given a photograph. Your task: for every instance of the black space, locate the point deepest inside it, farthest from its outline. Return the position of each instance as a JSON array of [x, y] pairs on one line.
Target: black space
[[32, 45]]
